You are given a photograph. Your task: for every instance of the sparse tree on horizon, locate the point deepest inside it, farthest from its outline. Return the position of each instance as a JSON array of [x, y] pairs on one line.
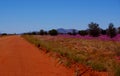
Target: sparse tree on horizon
[[41, 32], [111, 31], [94, 29]]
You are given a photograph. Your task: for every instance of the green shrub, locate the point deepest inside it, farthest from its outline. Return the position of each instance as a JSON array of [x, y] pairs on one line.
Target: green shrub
[[42, 32], [83, 32], [53, 32], [3, 34], [97, 66]]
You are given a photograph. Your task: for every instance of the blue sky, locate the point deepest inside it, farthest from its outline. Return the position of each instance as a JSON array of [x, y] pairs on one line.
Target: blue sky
[[17, 16]]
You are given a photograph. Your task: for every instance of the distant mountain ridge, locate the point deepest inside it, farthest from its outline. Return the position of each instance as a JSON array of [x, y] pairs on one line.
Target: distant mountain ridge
[[62, 30]]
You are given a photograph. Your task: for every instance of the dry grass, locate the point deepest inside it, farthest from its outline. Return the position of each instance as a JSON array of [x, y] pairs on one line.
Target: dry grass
[[98, 54]]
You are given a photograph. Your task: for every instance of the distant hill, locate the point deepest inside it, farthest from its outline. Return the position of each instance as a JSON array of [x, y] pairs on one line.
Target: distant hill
[[62, 30]]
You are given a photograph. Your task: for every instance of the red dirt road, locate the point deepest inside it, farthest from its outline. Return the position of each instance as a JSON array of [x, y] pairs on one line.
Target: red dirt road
[[20, 58]]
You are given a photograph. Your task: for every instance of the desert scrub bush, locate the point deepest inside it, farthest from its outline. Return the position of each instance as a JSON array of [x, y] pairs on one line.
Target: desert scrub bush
[[77, 59], [68, 63], [53, 32], [97, 66], [83, 32], [3, 34]]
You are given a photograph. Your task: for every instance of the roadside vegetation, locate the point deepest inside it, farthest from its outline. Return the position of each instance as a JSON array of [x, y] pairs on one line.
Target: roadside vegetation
[[97, 54], [95, 48]]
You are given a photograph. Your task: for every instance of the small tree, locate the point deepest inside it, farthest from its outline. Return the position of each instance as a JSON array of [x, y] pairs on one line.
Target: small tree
[[111, 31], [53, 32], [41, 32], [94, 29], [83, 32], [34, 33]]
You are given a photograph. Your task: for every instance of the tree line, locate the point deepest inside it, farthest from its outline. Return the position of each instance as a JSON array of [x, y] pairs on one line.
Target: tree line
[[52, 32], [93, 30]]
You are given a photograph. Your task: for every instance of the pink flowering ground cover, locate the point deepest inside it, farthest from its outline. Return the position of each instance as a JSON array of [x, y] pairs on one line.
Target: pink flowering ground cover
[[101, 37]]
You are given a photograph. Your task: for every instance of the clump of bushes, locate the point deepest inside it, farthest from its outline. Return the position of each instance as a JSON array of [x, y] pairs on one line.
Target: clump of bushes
[[103, 32], [3, 34], [83, 32], [53, 32], [94, 30], [73, 32], [42, 32], [97, 66]]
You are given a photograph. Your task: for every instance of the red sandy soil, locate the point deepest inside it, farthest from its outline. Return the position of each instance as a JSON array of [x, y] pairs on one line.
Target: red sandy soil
[[20, 58]]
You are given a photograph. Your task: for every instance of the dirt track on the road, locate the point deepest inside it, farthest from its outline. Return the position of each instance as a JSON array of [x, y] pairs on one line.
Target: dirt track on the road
[[20, 58]]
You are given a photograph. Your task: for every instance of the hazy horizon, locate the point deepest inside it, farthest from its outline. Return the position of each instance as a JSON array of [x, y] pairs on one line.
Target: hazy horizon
[[17, 16]]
